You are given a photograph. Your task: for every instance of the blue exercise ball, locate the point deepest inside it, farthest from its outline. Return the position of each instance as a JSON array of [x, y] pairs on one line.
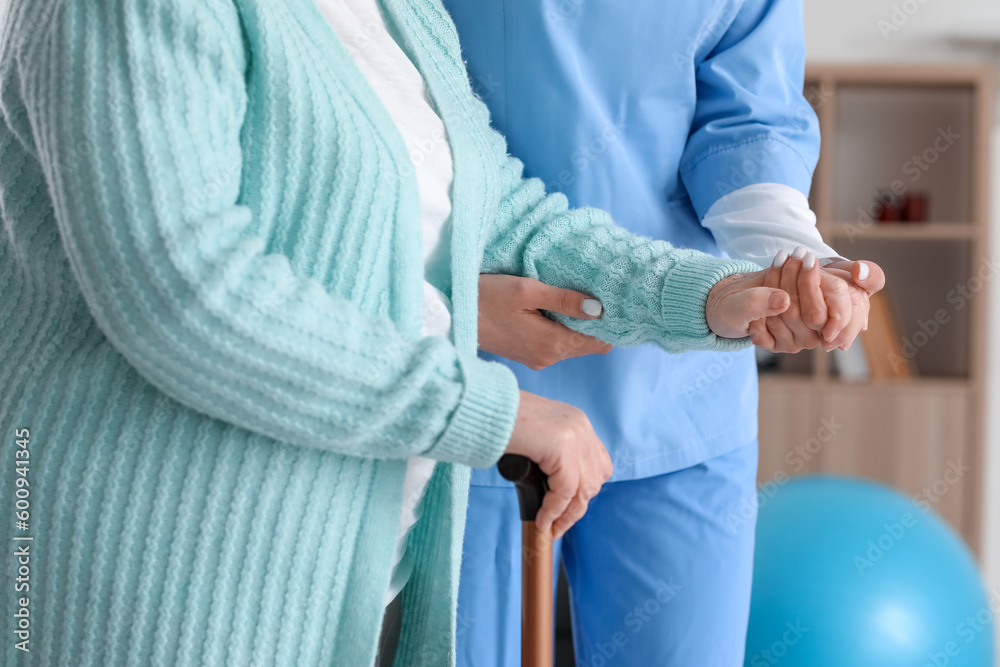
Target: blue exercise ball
[[848, 573]]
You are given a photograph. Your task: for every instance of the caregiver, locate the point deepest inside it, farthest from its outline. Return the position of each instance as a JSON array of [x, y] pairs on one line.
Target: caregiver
[[687, 121]]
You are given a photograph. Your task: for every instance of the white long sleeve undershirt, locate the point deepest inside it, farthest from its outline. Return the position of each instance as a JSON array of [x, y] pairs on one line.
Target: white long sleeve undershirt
[[757, 221]]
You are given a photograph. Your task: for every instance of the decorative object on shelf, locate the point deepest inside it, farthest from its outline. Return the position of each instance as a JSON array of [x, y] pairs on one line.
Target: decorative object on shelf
[[887, 360], [914, 207], [888, 204], [852, 364], [767, 361], [907, 207]]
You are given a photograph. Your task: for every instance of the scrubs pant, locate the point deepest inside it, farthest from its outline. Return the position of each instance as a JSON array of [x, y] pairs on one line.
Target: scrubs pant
[[659, 570]]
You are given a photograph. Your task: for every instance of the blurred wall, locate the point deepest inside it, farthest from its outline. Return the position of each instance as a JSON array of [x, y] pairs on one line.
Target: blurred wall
[[934, 31]]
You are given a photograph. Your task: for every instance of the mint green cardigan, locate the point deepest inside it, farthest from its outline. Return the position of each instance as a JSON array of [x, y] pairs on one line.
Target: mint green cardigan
[[210, 271]]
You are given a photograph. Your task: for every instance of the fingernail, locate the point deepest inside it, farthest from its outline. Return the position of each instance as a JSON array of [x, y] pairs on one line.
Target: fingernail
[[592, 307], [799, 252], [809, 261], [780, 259], [776, 300], [863, 270]]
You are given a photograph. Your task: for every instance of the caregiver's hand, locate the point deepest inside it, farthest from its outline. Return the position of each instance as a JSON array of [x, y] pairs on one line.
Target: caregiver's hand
[[559, 438], [829, 305], [512, 325]]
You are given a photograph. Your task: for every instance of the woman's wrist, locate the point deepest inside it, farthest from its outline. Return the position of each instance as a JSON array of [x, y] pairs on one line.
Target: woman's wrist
[[480, 428], [685, 299]]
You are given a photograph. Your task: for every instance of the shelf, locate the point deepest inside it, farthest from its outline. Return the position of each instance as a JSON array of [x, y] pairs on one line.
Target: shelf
[[905, 231], [786, 379], [924, 130], [923, 281], [920, 384], [906, 435], [976, 33], [890, 75], [925, 142]]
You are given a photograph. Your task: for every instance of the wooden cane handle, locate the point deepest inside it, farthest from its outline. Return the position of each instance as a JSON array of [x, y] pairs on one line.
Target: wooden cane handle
[[530, 481]]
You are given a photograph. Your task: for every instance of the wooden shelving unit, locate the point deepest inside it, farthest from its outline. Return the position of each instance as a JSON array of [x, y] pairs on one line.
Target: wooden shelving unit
[[923, 435], [928, 231]]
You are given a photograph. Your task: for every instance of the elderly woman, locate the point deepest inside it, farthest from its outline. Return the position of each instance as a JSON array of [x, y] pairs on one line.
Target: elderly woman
[[239, 261]]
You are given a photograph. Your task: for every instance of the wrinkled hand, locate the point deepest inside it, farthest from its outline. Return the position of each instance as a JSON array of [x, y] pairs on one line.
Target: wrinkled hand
[[512, 324], [559, 438], [829, 305], [737, 301]]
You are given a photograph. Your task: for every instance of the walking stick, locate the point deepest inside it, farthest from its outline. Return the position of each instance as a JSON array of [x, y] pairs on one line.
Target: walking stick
[[536, 561]]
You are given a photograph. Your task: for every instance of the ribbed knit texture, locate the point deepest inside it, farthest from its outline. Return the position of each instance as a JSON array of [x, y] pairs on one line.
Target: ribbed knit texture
[[210, 289]]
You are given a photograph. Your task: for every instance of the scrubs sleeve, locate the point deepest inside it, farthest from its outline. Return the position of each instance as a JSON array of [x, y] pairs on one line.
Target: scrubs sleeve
[[752, 123]]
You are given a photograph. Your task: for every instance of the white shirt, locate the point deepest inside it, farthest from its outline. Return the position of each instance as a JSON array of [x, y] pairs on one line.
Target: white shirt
[[757, 221], [361, 28]]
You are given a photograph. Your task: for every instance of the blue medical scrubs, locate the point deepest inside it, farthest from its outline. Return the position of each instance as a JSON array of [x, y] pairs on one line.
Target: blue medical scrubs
[[652, 110]]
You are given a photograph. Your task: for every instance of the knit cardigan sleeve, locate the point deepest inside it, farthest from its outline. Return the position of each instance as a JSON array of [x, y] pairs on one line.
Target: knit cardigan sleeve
[[652, 292], [131, 130]]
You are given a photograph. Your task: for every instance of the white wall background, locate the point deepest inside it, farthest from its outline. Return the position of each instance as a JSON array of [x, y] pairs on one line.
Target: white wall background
[[934, 31], [849, 30]]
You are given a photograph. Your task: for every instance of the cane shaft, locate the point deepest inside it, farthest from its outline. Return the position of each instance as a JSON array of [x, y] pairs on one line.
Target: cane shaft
[[536, 561], [536, 597]]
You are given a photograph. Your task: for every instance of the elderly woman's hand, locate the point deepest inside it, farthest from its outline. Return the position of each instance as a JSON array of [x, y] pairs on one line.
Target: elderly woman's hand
[[823, 306], [559, 438], [739, 300], [829, 305], [512, 324]]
